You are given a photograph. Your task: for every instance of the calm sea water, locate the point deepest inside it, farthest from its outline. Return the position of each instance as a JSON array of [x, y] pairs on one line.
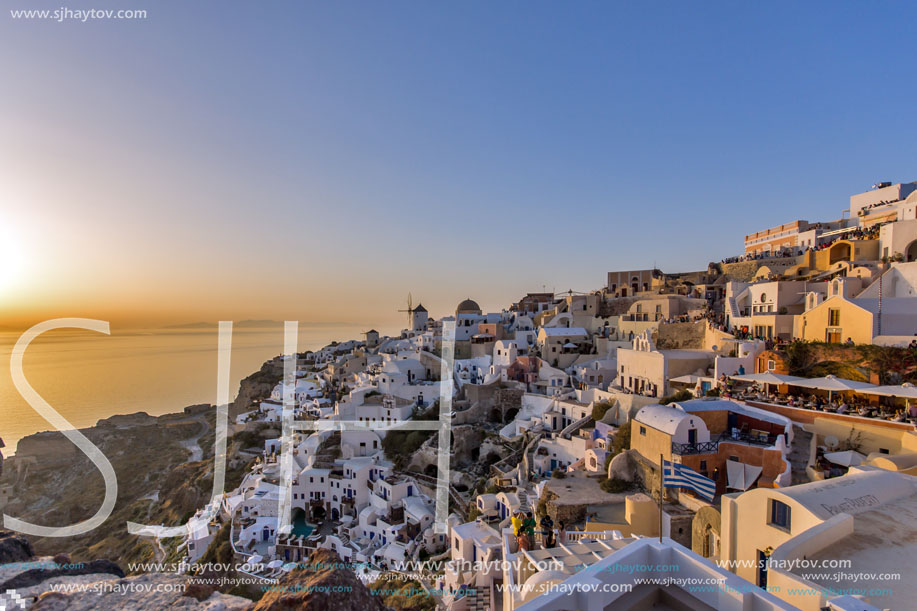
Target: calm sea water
[[87, 376]]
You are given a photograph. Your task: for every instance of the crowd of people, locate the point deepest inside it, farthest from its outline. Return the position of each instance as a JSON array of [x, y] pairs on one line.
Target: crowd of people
[[854, 233]]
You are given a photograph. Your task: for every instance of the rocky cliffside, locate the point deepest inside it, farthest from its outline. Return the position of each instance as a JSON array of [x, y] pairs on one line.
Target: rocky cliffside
[[32, 580], [321, 587], [164, 467]]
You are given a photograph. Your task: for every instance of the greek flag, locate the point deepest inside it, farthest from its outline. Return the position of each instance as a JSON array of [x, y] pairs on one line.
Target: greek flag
[[675, 475]]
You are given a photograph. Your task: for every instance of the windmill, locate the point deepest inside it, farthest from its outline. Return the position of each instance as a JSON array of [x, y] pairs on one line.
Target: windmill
[[410, 309]]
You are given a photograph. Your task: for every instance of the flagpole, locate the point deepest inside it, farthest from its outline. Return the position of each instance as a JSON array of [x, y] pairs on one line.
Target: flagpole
[[661, 488]]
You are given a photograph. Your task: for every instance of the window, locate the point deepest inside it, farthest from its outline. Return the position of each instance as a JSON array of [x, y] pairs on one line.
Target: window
[[780, 515], [703, 465], [834, 317], [643, 430], [883, 451], [771, 365]]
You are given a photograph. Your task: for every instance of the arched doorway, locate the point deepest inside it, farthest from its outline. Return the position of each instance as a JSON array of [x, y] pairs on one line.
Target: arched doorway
[[910, 253], [839, 252], [335, 514]]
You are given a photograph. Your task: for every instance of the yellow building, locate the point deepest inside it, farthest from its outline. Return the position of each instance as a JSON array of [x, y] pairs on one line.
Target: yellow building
[[835, 320], [773, 537]]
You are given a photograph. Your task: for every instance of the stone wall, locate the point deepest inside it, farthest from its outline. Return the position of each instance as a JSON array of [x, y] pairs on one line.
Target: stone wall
[[480, 392], [507, 399], [706, 519], [690, 335]]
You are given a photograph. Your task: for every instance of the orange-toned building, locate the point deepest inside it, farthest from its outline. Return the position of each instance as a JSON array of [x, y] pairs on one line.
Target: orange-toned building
[[775, 239]]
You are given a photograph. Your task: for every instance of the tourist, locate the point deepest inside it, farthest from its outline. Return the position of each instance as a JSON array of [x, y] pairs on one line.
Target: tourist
[[547, 530], [517, 522], [528, 526], [562, 533]]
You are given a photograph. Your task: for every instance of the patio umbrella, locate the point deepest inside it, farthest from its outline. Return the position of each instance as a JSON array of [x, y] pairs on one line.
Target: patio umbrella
[[767, 378], [905, 391], [847, 458], [686, 379], [275, 564], [833, 384], [256, 559], [289, 566]]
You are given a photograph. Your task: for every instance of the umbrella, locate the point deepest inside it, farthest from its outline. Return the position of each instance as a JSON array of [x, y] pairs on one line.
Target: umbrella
[[833, 384], [275, 564], [767, 378], [905, 391], [256, 559], [847, 458], [289, 566]]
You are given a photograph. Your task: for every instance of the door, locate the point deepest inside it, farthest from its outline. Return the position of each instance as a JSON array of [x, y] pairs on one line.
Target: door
[[692, 436], [762, 569]]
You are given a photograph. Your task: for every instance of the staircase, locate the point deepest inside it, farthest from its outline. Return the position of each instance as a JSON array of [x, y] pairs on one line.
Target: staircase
[[799, 454], [524, 505], [480, 600], [733, 308]]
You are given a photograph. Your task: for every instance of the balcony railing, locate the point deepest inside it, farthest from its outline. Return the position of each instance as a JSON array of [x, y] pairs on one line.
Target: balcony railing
[[711, 447], [704, 447]]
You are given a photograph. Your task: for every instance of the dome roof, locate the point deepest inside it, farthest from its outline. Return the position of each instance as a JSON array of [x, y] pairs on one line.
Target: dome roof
[[541, 582], [469, 306]]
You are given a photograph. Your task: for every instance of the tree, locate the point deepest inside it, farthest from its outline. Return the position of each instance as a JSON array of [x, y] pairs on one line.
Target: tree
[[621, 441], [600, 408]]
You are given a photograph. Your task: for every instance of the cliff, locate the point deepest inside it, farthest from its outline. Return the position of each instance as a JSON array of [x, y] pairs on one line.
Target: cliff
[[164, 467], [321, 587]]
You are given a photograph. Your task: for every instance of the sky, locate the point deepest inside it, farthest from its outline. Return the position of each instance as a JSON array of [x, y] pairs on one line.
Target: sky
[[319, 161]]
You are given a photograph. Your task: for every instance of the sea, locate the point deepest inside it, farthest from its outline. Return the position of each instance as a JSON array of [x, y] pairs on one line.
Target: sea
[[87, 376]]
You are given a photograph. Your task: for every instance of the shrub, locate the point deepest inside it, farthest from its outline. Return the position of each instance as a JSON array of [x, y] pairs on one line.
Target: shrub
[[622, 440], [558, 474], [599, 410], [614, 486], [681, 395]]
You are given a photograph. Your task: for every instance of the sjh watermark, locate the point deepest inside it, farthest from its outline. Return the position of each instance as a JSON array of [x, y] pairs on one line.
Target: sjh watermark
[[65, 13], [290, 427]]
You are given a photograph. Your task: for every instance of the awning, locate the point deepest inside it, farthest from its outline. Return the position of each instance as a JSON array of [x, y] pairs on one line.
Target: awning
[[741, 476], [767, 378], [833, 384], [848, 458], [687, 379], [905, 391]]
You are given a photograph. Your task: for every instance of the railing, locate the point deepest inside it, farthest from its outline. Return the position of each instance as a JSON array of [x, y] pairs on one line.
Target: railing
[[711, 447], [704, 447]]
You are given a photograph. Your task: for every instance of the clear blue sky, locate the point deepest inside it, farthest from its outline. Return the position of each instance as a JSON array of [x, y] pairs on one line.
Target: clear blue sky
[[339, 148]]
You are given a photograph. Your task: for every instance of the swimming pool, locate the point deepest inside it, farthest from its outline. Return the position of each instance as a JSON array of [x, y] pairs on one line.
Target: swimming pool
[[301, 527]]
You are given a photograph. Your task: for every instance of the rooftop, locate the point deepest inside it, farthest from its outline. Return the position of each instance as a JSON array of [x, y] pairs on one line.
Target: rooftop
[[883, 541]]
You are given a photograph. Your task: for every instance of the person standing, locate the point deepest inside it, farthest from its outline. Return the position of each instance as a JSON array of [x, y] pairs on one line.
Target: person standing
[[529, 527], [562, 533], [518, 528], [547, 530]]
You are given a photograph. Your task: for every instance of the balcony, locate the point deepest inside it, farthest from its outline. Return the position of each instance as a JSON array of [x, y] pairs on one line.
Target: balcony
[[761, 439]]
